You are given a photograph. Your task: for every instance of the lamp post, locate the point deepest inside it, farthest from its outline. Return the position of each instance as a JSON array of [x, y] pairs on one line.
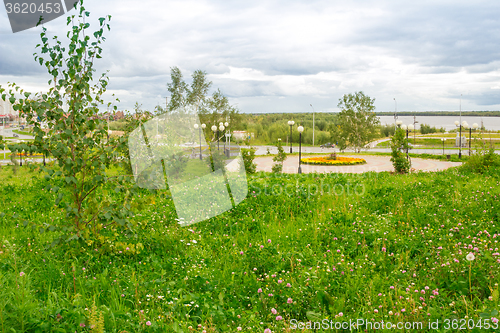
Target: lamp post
[[214, 129], [458, 124], [200, 128], [291, 123], [404, 128], [313, 122], [221, 128], [465, 125], [474, 126], [300, 129], [443, 140], [410, 128], [227, 140]]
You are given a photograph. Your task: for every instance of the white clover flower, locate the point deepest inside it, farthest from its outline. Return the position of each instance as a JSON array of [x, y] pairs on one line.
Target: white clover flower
[[470, 256]]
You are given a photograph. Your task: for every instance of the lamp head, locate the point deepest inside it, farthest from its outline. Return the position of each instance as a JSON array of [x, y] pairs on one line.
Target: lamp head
[[399, 122], [410, 127], [475, 126], [214, 128], [457, 123], [196, 126], [300, 129], [203, 126], [226, 124], [403, 127], [221, 127]]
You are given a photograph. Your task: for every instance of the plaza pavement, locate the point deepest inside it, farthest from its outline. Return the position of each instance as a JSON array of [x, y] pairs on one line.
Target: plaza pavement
[[373, 163]]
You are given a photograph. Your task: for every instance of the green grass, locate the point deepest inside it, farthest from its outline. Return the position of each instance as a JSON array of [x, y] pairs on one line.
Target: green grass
[[22, 132], [345, 243]]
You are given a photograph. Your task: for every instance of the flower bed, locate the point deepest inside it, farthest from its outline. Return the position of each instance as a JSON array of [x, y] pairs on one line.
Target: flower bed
[[28, 154], [329, 161]]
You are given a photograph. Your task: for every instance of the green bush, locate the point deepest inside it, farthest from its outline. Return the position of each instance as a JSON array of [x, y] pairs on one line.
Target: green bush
[[427, 129], [387, 130], [399, 144], [248, 157], [279, 159], [482, 161]]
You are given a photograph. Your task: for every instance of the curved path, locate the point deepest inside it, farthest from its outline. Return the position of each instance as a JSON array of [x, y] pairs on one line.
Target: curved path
[[373, 163]]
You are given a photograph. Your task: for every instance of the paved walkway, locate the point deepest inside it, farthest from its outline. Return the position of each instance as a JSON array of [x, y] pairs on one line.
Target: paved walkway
[[373, 163]]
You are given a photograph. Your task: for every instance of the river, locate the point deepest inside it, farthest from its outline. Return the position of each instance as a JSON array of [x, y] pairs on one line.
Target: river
[[448, 122]]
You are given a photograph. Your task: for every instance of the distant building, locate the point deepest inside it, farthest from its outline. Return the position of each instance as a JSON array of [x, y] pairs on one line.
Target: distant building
[[240, 135], [7, 112]]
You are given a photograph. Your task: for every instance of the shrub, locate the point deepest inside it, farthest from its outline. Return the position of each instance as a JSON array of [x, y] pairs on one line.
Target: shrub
[[398, 146], [427, 129], [482, 161], [279, 159], [387, 130], [248, 155]]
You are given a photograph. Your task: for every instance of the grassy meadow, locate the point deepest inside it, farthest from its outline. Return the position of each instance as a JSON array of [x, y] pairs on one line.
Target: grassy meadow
[[299, 248]]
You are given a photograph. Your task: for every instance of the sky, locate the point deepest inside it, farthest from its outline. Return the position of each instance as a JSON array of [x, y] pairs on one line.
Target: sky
[[283, 56]]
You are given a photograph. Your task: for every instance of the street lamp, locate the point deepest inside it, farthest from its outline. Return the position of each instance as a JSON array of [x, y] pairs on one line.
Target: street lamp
[[227, 140], [221, 128], [214, 129], [443, 140], [458, 124], [410, 128], [291, 123], [200, 128], [300, 129], [474, 126]]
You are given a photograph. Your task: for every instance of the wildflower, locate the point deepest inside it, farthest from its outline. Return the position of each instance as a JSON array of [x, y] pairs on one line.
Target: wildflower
[[148, 323], [288, 285], [273, 310], [470, 256], [279, 318], [21, 274], [267, 330], [259, 290], [289, 300], [269, 241], [494, 320], [239, 328]]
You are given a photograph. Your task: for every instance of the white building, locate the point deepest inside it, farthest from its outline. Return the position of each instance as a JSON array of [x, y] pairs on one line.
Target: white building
[[7, 111]]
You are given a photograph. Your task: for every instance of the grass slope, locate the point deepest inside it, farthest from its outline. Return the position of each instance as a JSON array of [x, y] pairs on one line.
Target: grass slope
[[300, 247]]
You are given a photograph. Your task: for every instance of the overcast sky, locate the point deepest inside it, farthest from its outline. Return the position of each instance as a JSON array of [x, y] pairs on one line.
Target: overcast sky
[[282, 56]]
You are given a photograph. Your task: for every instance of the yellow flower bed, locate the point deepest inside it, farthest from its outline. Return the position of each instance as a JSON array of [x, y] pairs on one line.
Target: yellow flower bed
[[327, 161], [28, 154]]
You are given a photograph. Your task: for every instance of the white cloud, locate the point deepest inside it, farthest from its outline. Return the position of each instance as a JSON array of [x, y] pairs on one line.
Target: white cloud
[[283, 55]]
